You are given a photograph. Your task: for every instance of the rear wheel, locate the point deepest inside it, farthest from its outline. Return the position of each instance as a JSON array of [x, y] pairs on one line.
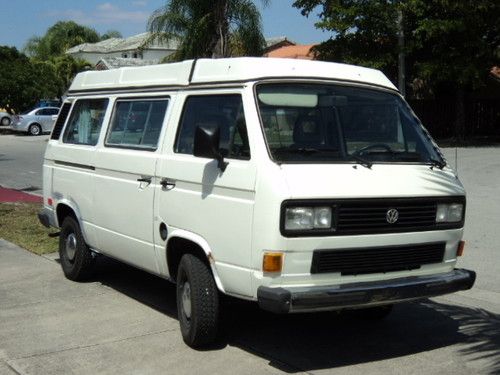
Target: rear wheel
[[35, 129], [5, 121], [197, 302], [76, 258]]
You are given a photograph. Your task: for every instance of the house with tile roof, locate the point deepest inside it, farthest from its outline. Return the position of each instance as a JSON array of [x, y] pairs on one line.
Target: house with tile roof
[[297, 51], [124, 48]]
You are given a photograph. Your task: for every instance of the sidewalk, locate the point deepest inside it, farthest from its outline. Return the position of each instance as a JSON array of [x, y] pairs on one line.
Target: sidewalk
[[124, 321], [11, 195]]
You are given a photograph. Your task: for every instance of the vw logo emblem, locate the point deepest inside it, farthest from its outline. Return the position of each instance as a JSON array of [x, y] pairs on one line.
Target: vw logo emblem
[[392, 215]]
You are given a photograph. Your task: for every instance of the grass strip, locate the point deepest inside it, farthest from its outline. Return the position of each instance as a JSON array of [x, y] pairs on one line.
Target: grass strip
[[19, 224]]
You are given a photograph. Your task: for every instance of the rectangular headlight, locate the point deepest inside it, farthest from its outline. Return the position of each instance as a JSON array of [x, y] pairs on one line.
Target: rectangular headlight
[[449, 213], [307, 218]]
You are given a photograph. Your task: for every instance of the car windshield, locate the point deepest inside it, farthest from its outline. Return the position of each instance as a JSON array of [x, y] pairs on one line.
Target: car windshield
[[323, 123]]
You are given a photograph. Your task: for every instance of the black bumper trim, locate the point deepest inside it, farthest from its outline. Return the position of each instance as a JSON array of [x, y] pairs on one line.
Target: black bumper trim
[[282, 300], [44, 219]]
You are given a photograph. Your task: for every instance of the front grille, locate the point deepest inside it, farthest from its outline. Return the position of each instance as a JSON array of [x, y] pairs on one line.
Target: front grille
[[377, 259], [370, 216]]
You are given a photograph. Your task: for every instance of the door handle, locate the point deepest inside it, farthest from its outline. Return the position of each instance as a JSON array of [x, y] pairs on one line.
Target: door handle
[[146, 179], [167, 184]]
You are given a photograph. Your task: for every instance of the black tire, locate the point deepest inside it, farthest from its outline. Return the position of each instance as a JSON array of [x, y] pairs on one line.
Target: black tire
[[372, 313], [76, 258], [35, 130], [196, 287], [5, 121]]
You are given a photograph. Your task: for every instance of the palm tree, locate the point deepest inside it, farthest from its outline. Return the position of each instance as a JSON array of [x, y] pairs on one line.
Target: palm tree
[[209, 28], [58, 38]]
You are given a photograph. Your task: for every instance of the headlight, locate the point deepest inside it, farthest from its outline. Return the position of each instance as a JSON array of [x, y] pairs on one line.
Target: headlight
[[307, 218], [449, 213]]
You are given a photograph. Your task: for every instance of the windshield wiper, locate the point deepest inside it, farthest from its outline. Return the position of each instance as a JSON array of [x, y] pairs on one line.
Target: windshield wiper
[[365, 163], [437, 163], [306, 150]]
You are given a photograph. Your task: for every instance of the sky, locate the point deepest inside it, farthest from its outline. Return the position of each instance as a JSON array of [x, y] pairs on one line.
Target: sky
[[22, 19]]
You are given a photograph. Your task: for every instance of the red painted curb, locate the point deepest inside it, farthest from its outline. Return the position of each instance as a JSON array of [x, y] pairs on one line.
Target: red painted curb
[[11, 195]]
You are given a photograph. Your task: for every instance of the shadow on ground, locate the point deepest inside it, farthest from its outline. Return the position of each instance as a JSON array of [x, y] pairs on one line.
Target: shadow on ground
[[308, 342]]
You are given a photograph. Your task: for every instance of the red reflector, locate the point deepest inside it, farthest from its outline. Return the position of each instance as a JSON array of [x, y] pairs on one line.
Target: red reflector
[[49, 201], [460, 249]]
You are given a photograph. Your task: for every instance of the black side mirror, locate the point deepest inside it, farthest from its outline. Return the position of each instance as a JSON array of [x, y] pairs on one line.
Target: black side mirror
[[206, 145]]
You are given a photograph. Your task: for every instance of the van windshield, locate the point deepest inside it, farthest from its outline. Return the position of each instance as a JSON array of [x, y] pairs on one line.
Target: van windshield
[[332, 123]]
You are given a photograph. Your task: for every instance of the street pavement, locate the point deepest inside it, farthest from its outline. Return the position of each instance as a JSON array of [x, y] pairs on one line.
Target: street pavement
[[21, 160], [124, 320]]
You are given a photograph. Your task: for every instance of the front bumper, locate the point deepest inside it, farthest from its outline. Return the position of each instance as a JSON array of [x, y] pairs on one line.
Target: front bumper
[[306, 299]]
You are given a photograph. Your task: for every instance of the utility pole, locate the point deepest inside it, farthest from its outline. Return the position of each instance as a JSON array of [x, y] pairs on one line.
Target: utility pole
[[401, 54]]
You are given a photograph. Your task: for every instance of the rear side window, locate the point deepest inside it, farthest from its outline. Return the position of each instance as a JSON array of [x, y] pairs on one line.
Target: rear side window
[[85, 122], [223, 111], [137, 123], [61, 119]]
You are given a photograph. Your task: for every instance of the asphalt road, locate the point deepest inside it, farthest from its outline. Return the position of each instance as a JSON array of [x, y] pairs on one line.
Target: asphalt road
[[125, 320], [21, 160]]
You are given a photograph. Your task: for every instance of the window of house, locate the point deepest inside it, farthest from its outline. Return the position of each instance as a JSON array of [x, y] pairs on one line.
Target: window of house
[[222, 111], [137, 123], [85, 122]]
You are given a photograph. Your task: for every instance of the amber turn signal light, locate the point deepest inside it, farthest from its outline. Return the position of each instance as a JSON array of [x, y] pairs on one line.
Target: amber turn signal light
[[272, 262], [460, 248]]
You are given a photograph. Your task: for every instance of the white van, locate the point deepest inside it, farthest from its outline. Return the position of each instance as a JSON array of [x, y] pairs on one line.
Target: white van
[[304, 186]]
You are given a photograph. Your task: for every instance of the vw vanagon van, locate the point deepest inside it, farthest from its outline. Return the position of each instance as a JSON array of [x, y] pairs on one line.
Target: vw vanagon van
[[304, 186]]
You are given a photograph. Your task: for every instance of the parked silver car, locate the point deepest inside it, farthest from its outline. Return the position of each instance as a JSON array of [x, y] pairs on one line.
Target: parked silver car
[[36, 121], [5, 118]]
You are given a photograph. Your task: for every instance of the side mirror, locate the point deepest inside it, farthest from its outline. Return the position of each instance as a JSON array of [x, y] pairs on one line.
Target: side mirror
[[206, 145]]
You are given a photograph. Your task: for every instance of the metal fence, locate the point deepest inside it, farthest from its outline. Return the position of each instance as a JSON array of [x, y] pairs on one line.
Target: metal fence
[[439, 116]]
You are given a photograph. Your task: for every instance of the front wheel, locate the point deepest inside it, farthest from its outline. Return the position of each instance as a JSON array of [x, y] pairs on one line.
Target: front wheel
[[197, 302], [76, 258]]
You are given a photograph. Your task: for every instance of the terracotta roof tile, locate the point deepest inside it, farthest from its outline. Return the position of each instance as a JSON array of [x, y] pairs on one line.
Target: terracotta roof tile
[[293, 52]]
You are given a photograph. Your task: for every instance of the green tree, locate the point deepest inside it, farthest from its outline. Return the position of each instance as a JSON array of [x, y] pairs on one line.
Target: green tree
[[450, 45], [66, 68], [111, 34], [22, 82], [59, 38], [207, 28]]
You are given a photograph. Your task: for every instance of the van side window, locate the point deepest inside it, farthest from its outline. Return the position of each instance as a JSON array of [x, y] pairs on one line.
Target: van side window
[[85, 122], [223, 111], [137, 123]]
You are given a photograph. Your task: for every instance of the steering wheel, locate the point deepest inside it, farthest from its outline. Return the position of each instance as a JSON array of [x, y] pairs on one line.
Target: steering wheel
[[361, 151]]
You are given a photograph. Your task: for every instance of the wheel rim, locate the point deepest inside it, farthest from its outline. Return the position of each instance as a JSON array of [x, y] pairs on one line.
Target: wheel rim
[[186, 299], [70, 247], [35, 130], [5, 121]]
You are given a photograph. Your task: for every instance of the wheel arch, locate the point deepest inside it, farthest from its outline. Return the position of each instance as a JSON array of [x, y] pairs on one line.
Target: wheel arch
[[182, 242], [66, 208]]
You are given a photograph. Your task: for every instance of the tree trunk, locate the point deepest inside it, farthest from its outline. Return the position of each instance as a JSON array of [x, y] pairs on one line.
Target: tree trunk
[[220, 45], [460, 119]]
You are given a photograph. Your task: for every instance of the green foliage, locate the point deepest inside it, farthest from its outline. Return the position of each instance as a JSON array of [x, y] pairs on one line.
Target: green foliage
[[49, 71], [449, 44], [58, 38], [111, 34], [22, 82], [206, 28]]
